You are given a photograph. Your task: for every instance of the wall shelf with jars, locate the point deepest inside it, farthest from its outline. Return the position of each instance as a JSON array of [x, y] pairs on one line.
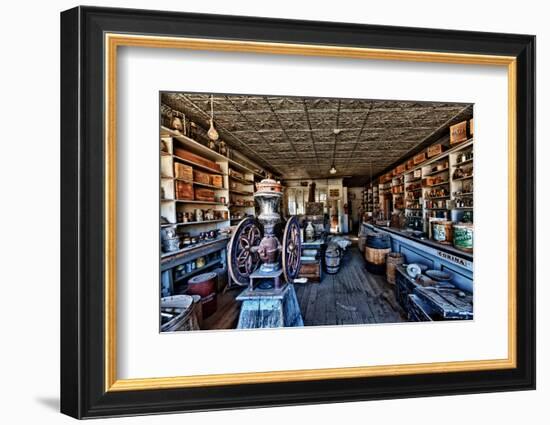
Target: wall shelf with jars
[[462, 183], [195, 194]]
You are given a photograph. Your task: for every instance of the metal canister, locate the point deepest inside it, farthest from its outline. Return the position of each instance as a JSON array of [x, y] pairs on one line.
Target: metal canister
[[463, 236], [205, 286]]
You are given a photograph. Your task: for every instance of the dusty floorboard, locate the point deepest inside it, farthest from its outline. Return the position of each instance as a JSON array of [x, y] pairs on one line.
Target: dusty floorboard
[[352, 296]]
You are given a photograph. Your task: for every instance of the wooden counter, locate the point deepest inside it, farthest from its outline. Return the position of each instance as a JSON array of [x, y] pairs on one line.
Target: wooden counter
[[435, 255]]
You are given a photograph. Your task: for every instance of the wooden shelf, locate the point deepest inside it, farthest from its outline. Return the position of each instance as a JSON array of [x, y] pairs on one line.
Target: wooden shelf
[[468, 161], [452, 149], [240, 206], [197, 165], [238, 179], [198, 245], [437, 184], [463, 208], [463, 178], [437, 197], [205, 151], [437, 209], [464, 194], [190, 223], [197, 270], [240, 192], [194, 183], [433, 173], [193, 201]]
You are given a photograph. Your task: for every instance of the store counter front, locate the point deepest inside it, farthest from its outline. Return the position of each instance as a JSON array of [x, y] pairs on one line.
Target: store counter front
[[433, 254]]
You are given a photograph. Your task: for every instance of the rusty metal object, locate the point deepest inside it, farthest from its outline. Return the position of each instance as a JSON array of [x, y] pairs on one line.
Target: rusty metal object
[[292, 246], [243, 251], [269, 185]]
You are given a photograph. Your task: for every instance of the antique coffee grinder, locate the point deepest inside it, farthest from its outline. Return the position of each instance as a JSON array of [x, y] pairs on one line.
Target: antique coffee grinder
[[256, 250], [259, 255]]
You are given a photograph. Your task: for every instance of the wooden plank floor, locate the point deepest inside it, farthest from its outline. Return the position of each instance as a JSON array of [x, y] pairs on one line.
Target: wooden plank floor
[[352, 296]]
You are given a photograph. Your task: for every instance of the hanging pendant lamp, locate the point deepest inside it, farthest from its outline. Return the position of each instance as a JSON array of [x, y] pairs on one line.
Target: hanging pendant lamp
[[212, 132]]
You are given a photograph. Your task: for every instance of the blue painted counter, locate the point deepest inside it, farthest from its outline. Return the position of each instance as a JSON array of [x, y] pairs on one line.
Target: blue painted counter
[[436, 256]]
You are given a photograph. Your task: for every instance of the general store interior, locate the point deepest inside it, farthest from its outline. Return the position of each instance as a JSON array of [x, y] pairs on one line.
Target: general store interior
[[381, 191]]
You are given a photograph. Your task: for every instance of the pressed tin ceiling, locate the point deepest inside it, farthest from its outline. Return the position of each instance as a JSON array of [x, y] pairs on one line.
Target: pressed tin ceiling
[[300, 138]]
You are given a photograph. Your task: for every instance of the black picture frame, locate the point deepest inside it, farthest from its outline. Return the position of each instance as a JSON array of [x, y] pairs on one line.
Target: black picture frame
[[83, 392]]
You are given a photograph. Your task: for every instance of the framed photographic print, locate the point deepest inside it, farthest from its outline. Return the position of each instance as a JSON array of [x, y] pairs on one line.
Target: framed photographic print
[[261, 212]]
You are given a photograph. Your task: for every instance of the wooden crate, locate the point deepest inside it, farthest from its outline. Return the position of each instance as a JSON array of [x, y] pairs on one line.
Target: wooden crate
[[184, 190], [201, 177], [237, 174], [401, 168], [435, 150], [183, 171], [216, 180], [472, 127], [203, 194], [420, 158], [410, 164], [458, 132], [189, 156], [311, 270]]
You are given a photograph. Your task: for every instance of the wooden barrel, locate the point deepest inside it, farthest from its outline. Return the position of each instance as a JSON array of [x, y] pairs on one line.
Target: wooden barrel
[[361, 242], [182, 312], [393, 259], [332, 260], [377, 246], [205, 285]]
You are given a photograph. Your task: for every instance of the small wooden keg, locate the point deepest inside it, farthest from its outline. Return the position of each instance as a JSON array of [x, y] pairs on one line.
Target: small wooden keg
[[205, 285], [332, 260], [180, 307], [393, 259], [377, 246]]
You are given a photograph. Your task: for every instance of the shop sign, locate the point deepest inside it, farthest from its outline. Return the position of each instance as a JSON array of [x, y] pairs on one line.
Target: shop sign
[[454, 259]]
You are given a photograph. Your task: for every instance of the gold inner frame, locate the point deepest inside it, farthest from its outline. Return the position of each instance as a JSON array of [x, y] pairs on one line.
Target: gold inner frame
[[113, 41]]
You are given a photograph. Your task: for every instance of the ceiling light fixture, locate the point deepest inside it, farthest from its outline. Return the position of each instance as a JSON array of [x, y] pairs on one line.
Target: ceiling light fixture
[[212, 132], [332, 170]]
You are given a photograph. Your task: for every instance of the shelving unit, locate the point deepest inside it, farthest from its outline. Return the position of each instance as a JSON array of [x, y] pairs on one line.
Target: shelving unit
[[174, 208], [432, 192], [462, 186], [241, 193]]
